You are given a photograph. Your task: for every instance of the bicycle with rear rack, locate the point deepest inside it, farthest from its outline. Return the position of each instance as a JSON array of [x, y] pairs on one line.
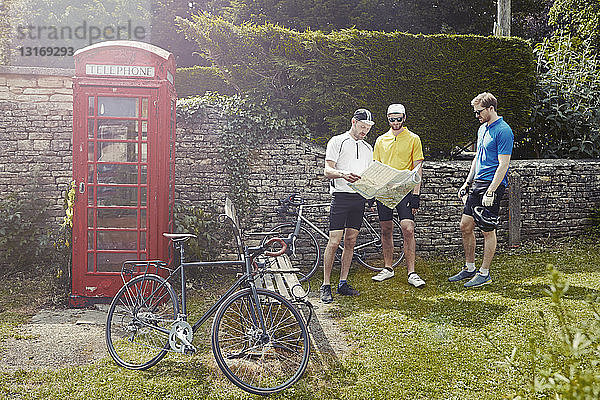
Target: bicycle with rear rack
[[304, 250], [259, 338]]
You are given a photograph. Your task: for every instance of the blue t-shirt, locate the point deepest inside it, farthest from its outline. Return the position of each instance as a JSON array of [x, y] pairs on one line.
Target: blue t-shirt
[[496, 138]]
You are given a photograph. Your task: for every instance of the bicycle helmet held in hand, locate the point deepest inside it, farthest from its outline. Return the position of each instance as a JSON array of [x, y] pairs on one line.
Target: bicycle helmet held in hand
[[486, 220]]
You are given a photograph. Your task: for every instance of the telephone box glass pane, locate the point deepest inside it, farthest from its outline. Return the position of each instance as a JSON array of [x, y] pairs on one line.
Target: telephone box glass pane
[[90, 105], [116, 196], [144, 130], [90, 195], [116, 240], [90, 178], [144, 175], [117, 218], [90, 240], [143, 197], [111, 262], [117, 173], [117, 129], [117, 152], [143, 218], [90, 151], [144, 152], [144, 107], [90, 266], [143, 240], [91, 128], [124, 107]]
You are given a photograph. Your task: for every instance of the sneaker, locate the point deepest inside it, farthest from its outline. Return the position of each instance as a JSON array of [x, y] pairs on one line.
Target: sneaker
[[479, 280], [383, 275], [462, 274], [347, 290], [325, 292], [415, 280]]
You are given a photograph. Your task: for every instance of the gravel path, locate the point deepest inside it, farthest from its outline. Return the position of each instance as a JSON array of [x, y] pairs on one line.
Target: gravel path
[[68, 337], [55, 339]]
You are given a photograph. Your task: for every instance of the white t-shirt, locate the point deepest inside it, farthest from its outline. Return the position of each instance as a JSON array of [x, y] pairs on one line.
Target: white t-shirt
[[349, 155]]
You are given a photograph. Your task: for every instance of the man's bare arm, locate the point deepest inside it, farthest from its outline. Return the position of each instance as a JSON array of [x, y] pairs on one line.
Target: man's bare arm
[[331, 172]]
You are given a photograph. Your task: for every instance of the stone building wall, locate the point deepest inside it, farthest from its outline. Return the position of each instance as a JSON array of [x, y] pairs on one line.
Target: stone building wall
[[36, 119]]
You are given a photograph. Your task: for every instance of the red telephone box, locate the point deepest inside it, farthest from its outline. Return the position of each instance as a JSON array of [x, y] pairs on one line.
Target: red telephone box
[[123, 162]]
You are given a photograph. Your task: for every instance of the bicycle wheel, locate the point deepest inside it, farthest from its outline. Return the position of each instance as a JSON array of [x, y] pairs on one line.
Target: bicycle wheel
[[305, 252], [368, 250], [260, 362], [139, 311]]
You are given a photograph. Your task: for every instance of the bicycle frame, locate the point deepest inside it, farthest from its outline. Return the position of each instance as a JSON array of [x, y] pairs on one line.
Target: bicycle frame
[[246, 277], [301, 218]]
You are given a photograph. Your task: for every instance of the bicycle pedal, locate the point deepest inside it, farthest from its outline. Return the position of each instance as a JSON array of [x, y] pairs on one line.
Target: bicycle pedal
[[189, 350]]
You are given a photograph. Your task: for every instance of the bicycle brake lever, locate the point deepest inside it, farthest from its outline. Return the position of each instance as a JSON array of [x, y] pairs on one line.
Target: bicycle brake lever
[[294, 245]]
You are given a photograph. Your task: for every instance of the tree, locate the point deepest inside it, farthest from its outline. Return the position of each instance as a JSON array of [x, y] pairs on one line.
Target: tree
[[50, 24], [166, 36], [412, 16], [530, 19], [580, 18]]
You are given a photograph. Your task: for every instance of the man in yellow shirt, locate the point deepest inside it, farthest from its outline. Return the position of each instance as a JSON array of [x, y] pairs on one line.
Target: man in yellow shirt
[[401, 149]]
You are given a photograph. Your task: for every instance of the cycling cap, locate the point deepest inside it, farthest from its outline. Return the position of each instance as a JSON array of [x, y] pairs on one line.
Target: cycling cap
[[486, 220], [396, 109], [364, 115]]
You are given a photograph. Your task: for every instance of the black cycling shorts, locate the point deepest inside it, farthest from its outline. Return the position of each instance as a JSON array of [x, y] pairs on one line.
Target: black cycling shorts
[[403, 208], [346, 211], [476, 195]]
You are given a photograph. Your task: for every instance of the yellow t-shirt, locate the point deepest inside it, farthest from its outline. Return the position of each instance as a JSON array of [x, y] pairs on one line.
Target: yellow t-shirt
[[399, 151]]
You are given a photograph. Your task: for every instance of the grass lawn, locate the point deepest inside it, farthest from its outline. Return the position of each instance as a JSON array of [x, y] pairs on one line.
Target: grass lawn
[[406, 343]]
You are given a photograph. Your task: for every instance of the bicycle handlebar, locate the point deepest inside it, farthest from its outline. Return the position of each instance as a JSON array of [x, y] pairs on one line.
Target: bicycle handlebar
[[275, 253], [255, 251], [292, 200]]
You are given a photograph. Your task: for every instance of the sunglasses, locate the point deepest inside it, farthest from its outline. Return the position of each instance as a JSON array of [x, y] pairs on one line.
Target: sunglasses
[[395, 119], [477, 112]]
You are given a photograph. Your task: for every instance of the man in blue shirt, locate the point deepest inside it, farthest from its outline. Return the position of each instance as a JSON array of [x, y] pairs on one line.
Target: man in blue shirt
[[487, 181]]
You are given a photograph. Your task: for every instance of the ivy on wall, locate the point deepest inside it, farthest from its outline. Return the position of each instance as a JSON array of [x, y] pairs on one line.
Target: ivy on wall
[[247, 123]]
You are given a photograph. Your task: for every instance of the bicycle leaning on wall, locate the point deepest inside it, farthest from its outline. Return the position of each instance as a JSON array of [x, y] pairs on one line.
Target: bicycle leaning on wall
[[304, 250], [259, 338]]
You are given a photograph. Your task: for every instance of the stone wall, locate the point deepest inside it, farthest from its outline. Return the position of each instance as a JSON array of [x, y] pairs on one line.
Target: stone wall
[[36, 119], [554, 197]]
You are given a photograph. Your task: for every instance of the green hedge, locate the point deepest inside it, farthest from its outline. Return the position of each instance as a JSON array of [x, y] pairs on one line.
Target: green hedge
[[324, 77], [196, 81]]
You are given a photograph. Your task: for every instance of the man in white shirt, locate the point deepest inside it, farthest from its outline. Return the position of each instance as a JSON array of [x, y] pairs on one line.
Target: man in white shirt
[[347, 156]]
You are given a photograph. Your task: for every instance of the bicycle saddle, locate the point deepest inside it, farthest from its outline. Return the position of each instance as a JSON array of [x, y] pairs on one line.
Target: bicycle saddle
[[178, 237]]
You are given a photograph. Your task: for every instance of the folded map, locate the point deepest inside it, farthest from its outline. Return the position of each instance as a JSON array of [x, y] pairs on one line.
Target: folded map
[[387, 184]]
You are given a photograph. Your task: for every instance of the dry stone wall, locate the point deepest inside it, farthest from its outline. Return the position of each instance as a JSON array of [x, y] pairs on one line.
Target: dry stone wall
[[555, 197]]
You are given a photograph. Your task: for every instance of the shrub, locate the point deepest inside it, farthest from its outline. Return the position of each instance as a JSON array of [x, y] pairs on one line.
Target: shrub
[[20, 238], [564, 364], [30, 245], [325, 77], [565, 119], [213, 238], [196, 81]]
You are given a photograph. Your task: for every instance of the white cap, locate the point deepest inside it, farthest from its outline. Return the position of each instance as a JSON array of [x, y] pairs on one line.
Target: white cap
[[396, 109]]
